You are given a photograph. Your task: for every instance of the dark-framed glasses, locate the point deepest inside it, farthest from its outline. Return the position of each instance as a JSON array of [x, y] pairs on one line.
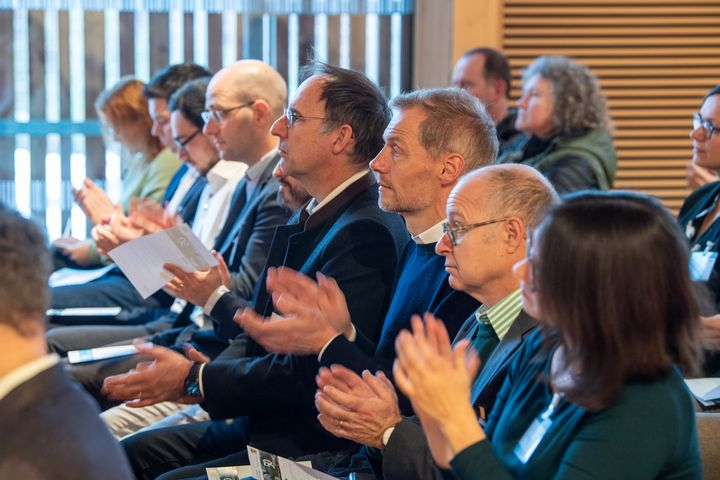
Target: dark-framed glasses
[[453, 230], [181, 144], [292, 117], [220, 114], [708, 128]]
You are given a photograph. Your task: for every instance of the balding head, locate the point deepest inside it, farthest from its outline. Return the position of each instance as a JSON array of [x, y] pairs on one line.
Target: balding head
[[489, 214], [247, 80], [245, 98], [508, 190]]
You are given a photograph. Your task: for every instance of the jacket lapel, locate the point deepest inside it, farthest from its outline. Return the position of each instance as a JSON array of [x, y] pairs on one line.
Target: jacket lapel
[[497, 362]]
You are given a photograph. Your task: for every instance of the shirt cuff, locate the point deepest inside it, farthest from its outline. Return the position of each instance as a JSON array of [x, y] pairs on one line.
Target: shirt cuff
[[386, 436], [351, 338], [200, 380], [214, 297]]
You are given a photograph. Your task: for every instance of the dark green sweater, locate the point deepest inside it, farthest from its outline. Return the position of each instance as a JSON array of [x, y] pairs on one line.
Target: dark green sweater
[[649, 433]]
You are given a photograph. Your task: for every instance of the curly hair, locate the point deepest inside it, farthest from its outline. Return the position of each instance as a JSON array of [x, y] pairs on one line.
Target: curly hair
[[579, 102]]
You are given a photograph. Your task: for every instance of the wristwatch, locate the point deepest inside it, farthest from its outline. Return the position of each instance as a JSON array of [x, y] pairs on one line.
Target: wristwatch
[[192, 381]]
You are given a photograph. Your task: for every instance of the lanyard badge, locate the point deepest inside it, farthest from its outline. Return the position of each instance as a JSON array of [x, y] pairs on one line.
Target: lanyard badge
[[536, 431], [702, 263]]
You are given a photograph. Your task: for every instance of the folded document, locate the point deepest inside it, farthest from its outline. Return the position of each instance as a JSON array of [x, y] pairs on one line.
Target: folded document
[[142, 260]]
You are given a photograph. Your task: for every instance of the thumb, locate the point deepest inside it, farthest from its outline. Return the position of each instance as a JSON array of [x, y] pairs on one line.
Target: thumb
[[194, 354]]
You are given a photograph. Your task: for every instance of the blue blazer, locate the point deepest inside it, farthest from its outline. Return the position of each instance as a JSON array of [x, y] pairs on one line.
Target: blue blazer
[[356, 243]]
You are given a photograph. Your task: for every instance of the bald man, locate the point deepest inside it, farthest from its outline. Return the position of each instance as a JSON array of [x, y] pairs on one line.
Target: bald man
[[242, 102], [489, 213]]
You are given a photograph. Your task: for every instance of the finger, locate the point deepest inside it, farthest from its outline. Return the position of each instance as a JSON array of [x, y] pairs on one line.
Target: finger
[[376, 386], [402, 381], [175, 288], [347, 379], [389, 391], [409, 355], [223, 269], [194, 354], [349, 401], [291, 305], [294, 283], [440, 338], [331, 425], [328, 406], [177, 271], [324, 378], [466, 358], [150, 349], [327, 422], [249, 320]]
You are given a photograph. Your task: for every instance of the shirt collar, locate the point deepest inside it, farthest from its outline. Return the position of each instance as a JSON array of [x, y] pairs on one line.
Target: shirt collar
[[502, 315], [221, 172], [314, 206], [25, 372], [431, 235], [254, 171]]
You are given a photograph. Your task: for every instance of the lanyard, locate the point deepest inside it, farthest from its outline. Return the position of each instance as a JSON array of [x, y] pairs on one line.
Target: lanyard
[[536, 431]]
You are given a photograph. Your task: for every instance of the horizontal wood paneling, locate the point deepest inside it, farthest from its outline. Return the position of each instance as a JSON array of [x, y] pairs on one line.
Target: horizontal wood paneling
[[655, 59]]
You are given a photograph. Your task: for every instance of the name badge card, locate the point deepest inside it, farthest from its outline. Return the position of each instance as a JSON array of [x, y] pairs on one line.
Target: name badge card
[[701, 265], [536, 431]]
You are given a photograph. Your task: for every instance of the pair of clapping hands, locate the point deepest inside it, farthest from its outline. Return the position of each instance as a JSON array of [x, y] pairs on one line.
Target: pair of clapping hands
[[111, 226], [436, 378], [144, 217]]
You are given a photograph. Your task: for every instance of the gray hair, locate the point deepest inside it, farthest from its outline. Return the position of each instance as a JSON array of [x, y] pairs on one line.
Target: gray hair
[[24, 267], [456, 122], [515, 190], [579, 102]]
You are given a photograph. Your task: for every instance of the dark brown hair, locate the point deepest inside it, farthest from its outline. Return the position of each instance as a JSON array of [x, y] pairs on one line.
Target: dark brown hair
[[353, 99], [496, 66], [614, 287], [25, 268]]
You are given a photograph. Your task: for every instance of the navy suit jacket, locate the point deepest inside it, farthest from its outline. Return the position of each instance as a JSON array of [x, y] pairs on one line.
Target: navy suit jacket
[[407, 454], [356, 243], [244, 239], [50, 429]]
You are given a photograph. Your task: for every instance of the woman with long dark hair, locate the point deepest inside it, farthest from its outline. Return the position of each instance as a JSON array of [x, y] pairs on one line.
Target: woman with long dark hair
[[598, 391]]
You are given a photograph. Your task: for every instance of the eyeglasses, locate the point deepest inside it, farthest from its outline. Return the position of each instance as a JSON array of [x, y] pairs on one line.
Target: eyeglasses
[[531, 263], [453, 230], [180, 143], [220, 114], [292, 116], [708, 128]]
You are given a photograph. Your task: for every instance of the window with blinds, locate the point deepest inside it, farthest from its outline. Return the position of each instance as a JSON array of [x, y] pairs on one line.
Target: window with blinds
[[656, 59], [58, 55]]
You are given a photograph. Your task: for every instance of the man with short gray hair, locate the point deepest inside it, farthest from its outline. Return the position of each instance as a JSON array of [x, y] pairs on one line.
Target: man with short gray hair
[[489, 214]]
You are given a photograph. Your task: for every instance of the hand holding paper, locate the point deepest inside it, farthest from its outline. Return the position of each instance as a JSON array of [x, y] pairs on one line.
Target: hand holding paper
[[143, 260]]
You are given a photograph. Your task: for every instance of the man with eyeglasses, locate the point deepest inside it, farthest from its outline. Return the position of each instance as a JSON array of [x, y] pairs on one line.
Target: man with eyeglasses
[[242, 136], [337, 119], [181, 198], [489, 215]]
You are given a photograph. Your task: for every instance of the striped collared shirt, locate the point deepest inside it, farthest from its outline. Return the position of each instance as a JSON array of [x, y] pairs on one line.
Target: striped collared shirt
[[501, 315]]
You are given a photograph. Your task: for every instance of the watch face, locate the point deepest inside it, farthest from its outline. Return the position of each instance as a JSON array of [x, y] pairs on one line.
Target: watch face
[[192, 384]]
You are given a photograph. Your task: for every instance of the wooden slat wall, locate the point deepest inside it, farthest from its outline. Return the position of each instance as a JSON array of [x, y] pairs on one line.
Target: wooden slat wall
[[655, 60]]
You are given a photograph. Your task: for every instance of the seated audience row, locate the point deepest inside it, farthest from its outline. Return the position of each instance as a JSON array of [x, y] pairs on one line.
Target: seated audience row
[[407, 231]]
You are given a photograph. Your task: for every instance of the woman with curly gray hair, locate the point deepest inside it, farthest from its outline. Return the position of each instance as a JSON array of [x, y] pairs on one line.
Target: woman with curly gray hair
[[563, 113]]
